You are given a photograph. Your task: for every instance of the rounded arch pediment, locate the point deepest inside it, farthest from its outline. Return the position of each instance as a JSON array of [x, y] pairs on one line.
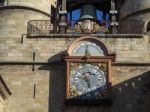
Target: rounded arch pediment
[[92, 45]]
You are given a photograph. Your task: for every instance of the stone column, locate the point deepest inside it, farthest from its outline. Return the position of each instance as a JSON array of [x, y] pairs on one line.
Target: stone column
[[113, 13], [63, 17]]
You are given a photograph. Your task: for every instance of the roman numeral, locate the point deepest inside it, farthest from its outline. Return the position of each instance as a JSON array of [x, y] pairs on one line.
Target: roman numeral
[[93, 88], [76, 80]]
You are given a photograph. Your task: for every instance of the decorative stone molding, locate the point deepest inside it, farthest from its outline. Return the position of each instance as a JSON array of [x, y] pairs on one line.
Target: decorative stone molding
[[4, 91], [1, 104], [1, 101]]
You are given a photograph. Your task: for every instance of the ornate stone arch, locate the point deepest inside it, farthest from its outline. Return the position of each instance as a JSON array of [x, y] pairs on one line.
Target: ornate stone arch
[[147, 26]]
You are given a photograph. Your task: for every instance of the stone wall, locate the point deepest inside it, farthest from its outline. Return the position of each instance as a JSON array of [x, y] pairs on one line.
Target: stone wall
[[29, 89], [13, 22], [43, 90], [132, 6], [127, 49], [41, 87], [1, 104], [4, 93], [43, 5], [133, 13], [138, 20]]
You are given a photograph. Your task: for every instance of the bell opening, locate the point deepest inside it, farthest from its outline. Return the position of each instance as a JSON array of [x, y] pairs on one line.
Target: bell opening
[[88, 11], [88, 19]]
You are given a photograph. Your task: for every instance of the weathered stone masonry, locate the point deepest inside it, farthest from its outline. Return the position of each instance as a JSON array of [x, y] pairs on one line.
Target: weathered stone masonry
[[35, 73], [49, 79]]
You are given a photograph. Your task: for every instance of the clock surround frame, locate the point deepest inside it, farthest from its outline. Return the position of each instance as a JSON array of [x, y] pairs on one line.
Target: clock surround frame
[[108, 58]]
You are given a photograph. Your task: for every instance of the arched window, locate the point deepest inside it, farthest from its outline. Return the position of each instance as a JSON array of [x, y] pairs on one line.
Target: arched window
[[148, 27]]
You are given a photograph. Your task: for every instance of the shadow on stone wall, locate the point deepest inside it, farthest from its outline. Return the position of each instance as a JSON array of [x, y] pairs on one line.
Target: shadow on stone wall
[[128, 96], [132, 94], [57, 72]]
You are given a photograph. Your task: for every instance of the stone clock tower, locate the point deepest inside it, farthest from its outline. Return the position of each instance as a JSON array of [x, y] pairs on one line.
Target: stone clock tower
[[74, 56]]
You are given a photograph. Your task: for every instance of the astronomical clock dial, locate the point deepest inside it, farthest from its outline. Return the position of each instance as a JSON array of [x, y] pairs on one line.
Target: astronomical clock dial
[[92, 48], [87, 80]]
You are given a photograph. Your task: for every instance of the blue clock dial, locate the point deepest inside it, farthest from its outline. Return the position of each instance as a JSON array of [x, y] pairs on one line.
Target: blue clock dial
[[91, 47], [87, 78]]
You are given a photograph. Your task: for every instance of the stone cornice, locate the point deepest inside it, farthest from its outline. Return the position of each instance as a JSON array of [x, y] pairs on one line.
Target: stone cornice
[[81, 35], [4, 91], [62, 62]]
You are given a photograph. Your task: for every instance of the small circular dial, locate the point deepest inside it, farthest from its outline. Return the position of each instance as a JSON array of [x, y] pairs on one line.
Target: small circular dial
[[87, 78], [91, 47]]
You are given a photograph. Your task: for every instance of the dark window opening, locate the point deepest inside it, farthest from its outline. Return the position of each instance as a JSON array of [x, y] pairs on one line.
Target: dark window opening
[[2, 2], [53, 14], [148, 27], [119, 4]]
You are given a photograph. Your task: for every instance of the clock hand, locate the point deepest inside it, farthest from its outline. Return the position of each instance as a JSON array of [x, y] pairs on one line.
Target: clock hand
[[87, 79], [88, 84], [87, 52], [91, 73]]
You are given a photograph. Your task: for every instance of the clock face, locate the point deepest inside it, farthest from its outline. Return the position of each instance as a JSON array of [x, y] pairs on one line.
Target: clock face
[[87, 80], [92, 48]]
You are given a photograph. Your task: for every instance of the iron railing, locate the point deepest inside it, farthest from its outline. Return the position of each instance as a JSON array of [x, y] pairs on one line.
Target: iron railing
[[44, 27], [39, 27]]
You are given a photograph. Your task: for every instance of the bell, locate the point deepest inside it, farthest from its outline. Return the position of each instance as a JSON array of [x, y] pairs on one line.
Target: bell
[[88, 22], [88, 11]]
